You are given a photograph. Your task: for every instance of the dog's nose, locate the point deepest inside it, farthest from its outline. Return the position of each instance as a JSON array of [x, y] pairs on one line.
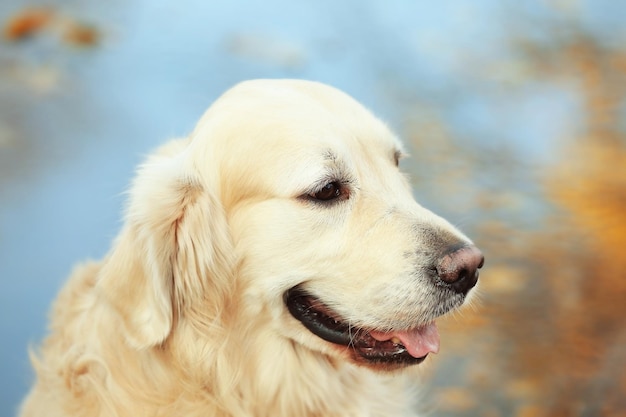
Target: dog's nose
[[458, 267]]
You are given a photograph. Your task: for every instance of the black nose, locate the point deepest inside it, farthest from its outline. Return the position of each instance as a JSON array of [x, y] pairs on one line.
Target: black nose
[[458, 268]]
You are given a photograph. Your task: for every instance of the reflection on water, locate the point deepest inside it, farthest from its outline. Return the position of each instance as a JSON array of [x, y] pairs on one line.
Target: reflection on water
[[517, 136]]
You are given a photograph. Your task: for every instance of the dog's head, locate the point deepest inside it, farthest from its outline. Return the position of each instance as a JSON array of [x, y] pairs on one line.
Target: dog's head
[[289, 193]]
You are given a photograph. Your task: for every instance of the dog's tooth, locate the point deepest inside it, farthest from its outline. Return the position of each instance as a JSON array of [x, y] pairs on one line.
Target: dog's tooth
[[395, 340]]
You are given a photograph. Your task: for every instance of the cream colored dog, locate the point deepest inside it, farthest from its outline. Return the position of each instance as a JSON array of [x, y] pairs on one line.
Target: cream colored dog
[[274, 263]]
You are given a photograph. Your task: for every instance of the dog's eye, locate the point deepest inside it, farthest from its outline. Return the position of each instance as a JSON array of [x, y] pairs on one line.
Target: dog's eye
[[396, 157], [328, 192]]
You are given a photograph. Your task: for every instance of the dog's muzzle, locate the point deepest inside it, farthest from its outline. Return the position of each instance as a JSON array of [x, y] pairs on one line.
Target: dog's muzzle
[[456, 270]]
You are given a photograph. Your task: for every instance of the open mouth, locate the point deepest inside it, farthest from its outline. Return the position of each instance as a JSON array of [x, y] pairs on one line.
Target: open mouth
[[396, 347]]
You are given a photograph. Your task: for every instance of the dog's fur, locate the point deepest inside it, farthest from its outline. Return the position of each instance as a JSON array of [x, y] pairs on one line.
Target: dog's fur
[[186, 315]]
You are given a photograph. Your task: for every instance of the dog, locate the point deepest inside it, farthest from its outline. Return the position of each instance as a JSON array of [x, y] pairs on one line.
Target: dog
[[272, 263]]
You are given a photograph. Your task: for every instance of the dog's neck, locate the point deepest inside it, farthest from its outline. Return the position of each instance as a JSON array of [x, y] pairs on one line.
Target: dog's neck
[[299, 382]]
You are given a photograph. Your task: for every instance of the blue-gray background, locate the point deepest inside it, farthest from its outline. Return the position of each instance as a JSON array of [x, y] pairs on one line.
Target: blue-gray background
[[75, 121]]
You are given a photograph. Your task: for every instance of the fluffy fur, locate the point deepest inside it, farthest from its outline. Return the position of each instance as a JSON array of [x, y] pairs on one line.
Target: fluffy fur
[[186, 315]]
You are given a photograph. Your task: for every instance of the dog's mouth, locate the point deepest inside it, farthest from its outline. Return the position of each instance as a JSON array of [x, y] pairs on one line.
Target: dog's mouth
[[393, 348]]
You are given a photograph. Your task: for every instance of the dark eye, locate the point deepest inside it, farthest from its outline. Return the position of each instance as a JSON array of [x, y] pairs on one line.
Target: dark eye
[[396, 157], [328, 192]]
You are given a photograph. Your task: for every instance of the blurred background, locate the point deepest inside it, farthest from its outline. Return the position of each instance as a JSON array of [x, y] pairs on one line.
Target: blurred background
[[514, 112]]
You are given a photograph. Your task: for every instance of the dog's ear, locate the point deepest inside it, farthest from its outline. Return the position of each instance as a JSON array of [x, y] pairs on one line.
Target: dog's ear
[[174, 248]]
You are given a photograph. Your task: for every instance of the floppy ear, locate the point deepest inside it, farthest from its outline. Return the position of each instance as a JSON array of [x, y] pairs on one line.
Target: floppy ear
[[173, 249]]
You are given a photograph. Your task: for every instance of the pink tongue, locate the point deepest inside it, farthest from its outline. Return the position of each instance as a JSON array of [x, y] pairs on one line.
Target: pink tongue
[[418, 342]]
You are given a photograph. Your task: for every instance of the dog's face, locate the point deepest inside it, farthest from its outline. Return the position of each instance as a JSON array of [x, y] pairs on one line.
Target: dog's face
[[328, 244], [330, 238]]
